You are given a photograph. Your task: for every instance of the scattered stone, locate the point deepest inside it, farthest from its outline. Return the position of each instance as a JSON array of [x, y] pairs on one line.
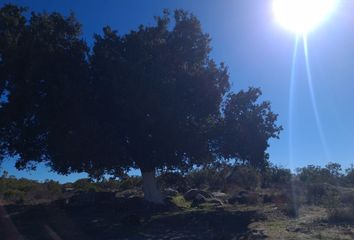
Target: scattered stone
[[130, 193], [191, 194], [170, 192], [199, 199], [215, 201], [220, 195]]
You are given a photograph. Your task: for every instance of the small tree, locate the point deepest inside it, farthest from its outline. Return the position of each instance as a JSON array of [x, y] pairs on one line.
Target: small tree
[[335, 169]]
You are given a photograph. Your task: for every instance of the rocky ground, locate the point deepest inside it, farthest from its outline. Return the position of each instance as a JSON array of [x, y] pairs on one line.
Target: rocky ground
[[194, 215]]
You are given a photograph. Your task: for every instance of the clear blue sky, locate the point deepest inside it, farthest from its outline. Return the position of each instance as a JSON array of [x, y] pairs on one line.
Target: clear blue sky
[[258, 53]]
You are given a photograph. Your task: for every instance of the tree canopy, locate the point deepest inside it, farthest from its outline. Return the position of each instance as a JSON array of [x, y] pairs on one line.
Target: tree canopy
[[152, 98], [44, 70]]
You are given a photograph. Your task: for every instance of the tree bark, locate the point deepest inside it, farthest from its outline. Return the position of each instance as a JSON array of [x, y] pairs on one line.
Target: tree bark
[[151, 192]]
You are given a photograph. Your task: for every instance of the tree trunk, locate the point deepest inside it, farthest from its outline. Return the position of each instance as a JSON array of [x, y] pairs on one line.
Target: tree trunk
[[151, 192]]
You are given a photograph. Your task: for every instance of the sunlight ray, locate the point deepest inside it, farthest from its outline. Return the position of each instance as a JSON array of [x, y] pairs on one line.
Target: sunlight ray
[[313, 100], [291, 99]]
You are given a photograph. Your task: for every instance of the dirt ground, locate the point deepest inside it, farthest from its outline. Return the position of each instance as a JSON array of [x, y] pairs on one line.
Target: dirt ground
[[134, 219]]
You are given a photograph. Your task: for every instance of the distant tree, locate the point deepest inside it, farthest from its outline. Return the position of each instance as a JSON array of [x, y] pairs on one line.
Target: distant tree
[[315, 174], [335, 169], [331, 173], [5, 174], [349, 175], [150, 99], [275, 175]]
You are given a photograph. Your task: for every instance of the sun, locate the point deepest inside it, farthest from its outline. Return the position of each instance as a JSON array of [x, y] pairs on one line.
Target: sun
[[302, 16]]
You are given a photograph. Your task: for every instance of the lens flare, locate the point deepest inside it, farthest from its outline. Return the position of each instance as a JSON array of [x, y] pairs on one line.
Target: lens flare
[[302, 16], [291, 97], [313, 100]]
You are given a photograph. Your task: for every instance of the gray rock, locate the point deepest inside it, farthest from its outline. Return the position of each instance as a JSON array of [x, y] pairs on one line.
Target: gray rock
[[215, 201], [220, 195], [198, 199], [191, 194], [170, 192]]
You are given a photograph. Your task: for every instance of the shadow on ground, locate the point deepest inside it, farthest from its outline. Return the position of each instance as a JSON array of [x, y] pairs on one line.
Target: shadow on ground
[[124, 219]]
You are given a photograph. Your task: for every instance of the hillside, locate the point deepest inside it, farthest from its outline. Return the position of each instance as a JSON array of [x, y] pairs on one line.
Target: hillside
[[196, 208]]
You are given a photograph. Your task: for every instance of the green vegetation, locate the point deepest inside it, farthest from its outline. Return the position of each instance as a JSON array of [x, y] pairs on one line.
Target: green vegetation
[[314, 203]]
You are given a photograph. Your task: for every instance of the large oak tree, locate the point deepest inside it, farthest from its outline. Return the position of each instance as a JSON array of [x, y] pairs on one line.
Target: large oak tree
[[149, 99]]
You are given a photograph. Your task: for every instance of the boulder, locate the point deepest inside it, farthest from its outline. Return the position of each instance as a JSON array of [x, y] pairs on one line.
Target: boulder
[[198, 199], [221, 196], [215, 201], [191, 194], [170, 192]]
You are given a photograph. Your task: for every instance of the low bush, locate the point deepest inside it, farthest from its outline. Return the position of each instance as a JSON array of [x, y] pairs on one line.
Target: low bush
[[109, 184], [174, 180], [14, 195], [85, 185], [274, 176], [339, 213], [130, 182], [212, 178], [245, 177], [290, 209], [320, 193], [245, 197]]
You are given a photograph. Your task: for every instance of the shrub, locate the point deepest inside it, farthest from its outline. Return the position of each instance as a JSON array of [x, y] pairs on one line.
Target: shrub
[[291, 208], [343, 214], [130, 182], [14, 195], [245, 197], [173, 180], [210, 177], [245, 177], [315, 174], [349, 177], [274, 175], [338, 210], [53, 187], [109, 185], [180, 202], [85, 185], [320, 193]]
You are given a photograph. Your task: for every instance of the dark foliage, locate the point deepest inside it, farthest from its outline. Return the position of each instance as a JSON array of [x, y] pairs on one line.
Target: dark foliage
[[150, 99]]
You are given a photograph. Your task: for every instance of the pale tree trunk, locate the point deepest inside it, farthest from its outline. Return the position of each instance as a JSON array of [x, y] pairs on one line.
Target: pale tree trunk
[[151, 192]]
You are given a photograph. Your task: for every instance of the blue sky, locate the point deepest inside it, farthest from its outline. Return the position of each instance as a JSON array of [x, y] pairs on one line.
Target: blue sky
[[259, 53]]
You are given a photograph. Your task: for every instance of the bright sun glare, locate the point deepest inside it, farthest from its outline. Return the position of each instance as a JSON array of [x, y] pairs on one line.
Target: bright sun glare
[[302, 16]]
